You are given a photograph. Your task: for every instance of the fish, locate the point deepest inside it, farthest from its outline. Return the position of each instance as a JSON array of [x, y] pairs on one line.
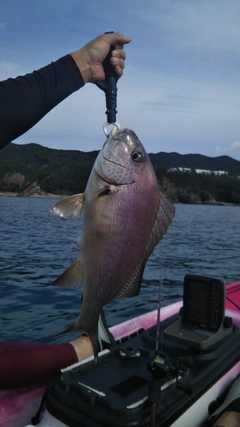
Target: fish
[[125, 215]]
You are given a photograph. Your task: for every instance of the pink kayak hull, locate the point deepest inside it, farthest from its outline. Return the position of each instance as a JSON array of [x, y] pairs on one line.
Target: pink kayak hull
[[17, 407]]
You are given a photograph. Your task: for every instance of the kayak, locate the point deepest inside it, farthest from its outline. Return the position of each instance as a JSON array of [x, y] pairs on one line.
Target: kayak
[[189, 373]]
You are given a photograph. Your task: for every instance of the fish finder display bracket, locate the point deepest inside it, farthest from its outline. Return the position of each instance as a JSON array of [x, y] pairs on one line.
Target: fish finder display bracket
[[201, 323]]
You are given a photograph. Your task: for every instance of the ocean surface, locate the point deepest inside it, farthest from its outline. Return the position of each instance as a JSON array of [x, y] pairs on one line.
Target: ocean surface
[[36, 247]]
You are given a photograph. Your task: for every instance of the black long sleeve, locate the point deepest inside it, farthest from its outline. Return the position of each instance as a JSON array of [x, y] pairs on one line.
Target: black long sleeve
[[25, 100]]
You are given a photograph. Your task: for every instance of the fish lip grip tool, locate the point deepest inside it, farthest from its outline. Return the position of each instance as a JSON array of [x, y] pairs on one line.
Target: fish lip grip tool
[[109, 86]]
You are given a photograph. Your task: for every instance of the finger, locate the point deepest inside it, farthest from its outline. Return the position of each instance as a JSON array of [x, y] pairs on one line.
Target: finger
[[117, 62], [117, 39], [118, 70], [118, 46], [119, 53]]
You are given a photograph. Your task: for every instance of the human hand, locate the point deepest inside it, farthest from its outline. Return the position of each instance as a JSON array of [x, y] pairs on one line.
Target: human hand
[[83, 347], [89, 59]]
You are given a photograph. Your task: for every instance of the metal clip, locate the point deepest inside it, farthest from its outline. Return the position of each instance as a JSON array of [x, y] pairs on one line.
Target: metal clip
[[116, 124]]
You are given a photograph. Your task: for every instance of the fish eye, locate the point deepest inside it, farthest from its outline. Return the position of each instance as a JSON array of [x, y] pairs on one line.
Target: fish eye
[[137, 156]]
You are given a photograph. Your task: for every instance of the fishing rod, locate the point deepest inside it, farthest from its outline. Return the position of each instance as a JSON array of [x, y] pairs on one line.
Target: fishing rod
[[160, 366], [158, 314]]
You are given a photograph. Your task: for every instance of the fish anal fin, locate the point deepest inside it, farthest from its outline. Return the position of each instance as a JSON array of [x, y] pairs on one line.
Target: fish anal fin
[[69, 208], [71, 278]]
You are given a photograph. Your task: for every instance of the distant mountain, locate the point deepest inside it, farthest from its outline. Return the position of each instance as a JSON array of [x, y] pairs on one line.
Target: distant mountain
[[67, 171], [196, 161], [35, 153], [56, 171]]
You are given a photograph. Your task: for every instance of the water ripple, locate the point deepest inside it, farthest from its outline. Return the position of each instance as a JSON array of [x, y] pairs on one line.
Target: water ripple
[[37, 246]]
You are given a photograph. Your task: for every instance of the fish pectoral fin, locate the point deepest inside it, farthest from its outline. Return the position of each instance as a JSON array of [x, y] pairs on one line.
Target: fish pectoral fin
[[71, 278], [69, 208]]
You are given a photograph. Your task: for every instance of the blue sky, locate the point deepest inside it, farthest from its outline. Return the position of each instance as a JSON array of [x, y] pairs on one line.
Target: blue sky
[[181, 87]]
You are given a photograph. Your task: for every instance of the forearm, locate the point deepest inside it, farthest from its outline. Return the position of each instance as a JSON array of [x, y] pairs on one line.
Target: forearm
[[25, 100], [24, 364]]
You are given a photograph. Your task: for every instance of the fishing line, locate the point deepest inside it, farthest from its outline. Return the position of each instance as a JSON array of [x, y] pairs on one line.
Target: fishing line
[[159, 326]]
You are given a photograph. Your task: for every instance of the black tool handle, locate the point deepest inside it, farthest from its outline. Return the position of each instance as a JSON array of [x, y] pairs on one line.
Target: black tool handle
[[109, 87], [111, 100]]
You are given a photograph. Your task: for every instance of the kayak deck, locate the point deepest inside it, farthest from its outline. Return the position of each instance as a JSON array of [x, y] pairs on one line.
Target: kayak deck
[[233, 296], [17, 406]]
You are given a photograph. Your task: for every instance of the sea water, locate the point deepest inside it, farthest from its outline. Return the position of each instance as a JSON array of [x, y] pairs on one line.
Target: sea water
[[36, 247]]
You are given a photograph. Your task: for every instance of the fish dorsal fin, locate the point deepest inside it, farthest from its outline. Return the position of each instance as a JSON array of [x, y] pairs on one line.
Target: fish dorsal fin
[[165, 214], [132, 285], [71, 278], [69, 208]]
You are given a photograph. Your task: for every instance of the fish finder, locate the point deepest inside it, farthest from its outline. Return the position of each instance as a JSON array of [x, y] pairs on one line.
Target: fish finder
[[201, 323], [203, 302]]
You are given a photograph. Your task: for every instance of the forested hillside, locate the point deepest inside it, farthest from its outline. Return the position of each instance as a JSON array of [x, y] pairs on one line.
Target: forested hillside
[[67, 172]]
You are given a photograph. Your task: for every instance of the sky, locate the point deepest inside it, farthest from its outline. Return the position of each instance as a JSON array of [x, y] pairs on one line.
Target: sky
[[181, 86]]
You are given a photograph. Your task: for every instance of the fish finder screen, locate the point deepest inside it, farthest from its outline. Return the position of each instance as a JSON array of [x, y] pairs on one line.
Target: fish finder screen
[[196, 304]]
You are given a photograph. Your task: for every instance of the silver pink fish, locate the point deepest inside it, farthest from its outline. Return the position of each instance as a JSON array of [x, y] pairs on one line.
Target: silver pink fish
[[124, 217]]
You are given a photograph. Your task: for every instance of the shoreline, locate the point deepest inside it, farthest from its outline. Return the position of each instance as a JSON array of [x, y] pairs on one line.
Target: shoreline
[[58, 196], [40, 196]]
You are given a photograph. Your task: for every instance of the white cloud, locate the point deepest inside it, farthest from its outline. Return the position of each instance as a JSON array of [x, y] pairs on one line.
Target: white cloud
[[168, 114], [181, 87], [204, 24], [235, 146]]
